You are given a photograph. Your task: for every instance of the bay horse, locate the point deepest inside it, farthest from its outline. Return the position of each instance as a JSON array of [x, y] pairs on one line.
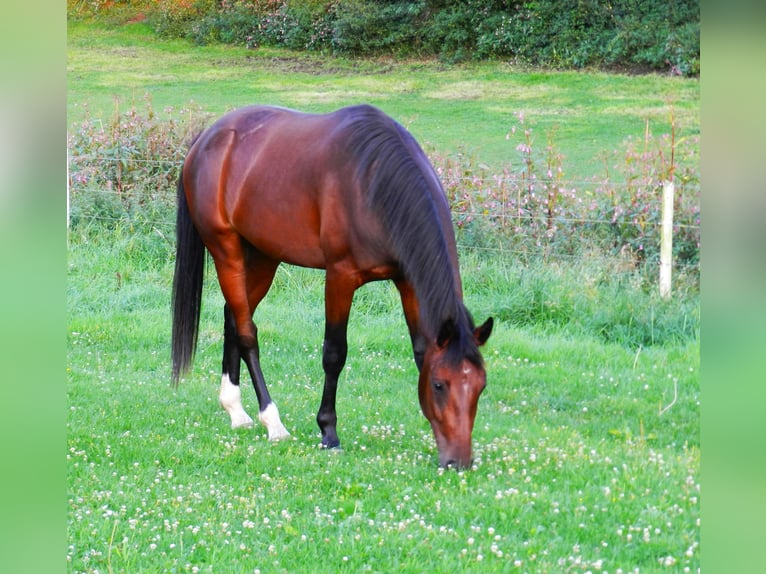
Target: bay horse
[[350, 192]]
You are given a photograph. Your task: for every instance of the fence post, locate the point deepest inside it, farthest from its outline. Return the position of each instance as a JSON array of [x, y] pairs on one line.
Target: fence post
[[68, 190], [666, 242]]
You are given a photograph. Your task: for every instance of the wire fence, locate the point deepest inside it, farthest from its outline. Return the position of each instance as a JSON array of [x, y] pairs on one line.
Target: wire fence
[[501, 214]]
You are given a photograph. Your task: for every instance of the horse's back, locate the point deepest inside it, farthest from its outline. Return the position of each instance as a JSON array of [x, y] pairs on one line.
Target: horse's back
[[284, 181]]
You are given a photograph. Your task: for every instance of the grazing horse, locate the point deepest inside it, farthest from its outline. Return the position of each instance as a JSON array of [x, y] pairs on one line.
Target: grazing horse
[[350, 192]]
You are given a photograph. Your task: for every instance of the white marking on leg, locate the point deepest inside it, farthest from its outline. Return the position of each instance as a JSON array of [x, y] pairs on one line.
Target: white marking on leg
[[269, 417], [230, 398]]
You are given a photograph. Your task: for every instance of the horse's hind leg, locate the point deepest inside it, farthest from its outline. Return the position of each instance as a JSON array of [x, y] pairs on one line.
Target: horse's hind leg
[[230, 395], [243, 288], [260, 275]]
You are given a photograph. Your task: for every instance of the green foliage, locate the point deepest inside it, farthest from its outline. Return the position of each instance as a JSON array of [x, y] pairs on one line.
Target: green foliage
[[654, 35], [125, 169], [626, 34], [633, 207], [172, 19], [532, 210], [362, 27], [110, 12], [232, 23], [566, 33], [455, 31]]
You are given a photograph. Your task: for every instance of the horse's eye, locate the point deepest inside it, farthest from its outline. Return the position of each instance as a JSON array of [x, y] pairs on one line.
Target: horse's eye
[[439, 386]]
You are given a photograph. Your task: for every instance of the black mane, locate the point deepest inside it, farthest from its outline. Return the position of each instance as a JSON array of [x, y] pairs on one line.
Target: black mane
[[403, 189]]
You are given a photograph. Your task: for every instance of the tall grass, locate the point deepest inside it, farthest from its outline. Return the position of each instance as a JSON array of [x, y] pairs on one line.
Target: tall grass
[[533, 210]]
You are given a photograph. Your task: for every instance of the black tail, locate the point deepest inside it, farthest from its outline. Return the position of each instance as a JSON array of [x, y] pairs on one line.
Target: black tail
[[187, 287]]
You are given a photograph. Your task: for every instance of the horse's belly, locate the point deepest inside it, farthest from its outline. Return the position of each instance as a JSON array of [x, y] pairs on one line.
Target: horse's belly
[[286, 242]]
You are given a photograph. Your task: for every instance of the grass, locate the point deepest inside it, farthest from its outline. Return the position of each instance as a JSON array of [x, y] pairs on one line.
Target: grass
[[587, 459], [587, 440], [591, 112]]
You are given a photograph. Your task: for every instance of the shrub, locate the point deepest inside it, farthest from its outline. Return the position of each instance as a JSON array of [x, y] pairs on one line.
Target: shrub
[[658, 35], [626, 34], [176, 19], [125, 169], [110, 12], [533, 212], [230, 23], [633, 206], [293, 24], [363, 27]]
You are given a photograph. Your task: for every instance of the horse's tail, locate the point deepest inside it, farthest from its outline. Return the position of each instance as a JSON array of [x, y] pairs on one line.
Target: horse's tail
[[187, 287]]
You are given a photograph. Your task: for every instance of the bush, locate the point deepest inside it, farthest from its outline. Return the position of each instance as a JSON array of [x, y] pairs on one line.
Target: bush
[[176, 19], [633, 207], [125, 170], [657, 35], [646, 35], [533, 212], [300, 25], [233, 23], [363, 27]]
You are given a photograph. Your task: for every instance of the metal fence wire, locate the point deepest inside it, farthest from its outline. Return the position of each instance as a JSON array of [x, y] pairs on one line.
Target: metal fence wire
[[508, 213]]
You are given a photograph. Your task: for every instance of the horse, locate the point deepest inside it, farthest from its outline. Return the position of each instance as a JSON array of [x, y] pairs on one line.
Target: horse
[[350, 192]]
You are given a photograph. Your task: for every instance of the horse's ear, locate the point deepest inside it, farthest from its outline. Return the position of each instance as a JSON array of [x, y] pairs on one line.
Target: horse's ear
[[482, 332], [447, 332]]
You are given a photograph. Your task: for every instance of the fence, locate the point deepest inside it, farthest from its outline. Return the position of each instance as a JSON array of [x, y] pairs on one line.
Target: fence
[[511, 214]]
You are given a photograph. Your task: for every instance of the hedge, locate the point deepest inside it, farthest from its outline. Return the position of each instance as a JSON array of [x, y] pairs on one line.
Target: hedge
[[632, 35]]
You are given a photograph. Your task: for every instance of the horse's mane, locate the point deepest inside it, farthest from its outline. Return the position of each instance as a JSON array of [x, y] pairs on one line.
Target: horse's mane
[[402, 188]]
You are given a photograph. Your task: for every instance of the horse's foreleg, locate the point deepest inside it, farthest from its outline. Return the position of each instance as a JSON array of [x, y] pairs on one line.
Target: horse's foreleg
[[411, 316], [338, 296]]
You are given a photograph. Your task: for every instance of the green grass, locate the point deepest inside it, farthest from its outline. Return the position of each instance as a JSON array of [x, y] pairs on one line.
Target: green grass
[[584, 459], [454, 109], [586, 441]]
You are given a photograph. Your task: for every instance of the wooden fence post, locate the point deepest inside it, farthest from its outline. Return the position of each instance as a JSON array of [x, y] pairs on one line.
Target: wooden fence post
[[666, 242], [68, 190]]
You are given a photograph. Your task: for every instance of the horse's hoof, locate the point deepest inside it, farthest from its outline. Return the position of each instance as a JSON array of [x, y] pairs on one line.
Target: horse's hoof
[[242, 423]]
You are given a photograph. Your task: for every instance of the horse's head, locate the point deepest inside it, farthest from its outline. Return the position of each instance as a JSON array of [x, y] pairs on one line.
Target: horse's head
[[451, 381]]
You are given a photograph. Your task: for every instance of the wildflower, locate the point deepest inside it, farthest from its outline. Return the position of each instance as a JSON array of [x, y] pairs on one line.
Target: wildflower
[[668, 561]]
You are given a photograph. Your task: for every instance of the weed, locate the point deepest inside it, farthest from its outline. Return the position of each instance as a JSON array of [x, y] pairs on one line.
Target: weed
[[531, 210], [125, 169]]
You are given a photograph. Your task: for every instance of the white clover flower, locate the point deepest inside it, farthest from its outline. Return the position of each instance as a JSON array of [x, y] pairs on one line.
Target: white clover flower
[[668, 561]]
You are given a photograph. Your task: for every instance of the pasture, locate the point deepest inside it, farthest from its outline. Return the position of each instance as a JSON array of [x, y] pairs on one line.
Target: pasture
[[586, 441], [442, 106]]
